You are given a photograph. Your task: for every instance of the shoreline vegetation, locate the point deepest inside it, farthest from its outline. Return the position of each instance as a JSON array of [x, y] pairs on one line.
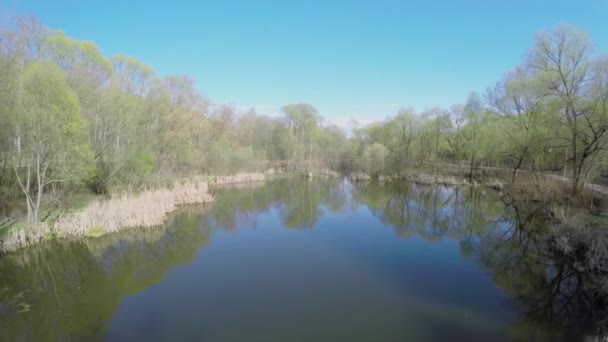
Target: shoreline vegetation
[[430, 179], [239, 178], [148, 208]]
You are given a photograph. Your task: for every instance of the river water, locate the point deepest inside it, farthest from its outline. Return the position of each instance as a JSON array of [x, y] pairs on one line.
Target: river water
[[299, 260]]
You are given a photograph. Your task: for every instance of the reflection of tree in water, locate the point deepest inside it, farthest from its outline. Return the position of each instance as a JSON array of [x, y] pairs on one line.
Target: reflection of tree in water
[[559, 292], [298, 201], [430, 212], [337, 197], [70, 290], [300, 207], [556, 289]]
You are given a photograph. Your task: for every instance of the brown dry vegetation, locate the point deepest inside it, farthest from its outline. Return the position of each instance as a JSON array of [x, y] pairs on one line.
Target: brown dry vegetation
[[146, 209], [323, 172], [240, 178], [452, 177]]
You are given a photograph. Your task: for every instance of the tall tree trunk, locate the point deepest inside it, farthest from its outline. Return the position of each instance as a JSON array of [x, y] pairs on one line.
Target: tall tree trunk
[[522, 157], [25, 188], [310, 154], [472, 165], [295, 151], [575, 175], [40, 182], [18, 141]]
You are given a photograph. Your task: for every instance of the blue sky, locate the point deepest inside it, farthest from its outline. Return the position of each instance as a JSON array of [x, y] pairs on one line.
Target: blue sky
[[351, 59]]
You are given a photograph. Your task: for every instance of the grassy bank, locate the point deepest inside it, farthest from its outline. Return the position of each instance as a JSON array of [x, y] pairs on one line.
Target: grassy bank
[[239, 178], [551, 195], [432, 178], [528, 186], [321, 173], [127, 210]]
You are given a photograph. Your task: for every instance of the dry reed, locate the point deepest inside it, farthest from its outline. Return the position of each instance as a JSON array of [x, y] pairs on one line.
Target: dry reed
[[145, 209], [360, 177], [240, 178]]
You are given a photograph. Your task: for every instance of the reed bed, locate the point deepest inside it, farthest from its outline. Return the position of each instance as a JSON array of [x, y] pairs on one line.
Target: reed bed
[[359, 177], [327, 173], [431, 179], [424, 178], [145, 209], [240, 178], [239, 186]]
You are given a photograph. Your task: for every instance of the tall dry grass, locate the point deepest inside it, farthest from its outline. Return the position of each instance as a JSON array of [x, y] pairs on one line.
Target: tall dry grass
[[240, 178], [425, 178], [360, 177], [20, 238], [145, 209], [324, 173], [540, 188], [447, 180]]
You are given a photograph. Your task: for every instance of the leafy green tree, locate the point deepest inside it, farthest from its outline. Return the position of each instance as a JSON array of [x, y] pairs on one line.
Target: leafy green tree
[[405, 126], [563, 59], [373, 159], [453, 131], [303, 118], [54, 139], [517, 99]]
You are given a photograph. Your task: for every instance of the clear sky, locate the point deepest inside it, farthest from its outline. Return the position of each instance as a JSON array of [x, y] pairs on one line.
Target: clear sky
[[351, 59]]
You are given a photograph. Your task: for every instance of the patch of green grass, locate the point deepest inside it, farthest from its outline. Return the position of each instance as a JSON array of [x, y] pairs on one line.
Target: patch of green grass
[[597, 221], [95, 232], [49, 236], [24, 307], [15, 225]]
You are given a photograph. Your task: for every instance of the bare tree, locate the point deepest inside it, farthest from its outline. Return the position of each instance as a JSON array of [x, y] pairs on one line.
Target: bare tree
[[516, 98], [563, 59]]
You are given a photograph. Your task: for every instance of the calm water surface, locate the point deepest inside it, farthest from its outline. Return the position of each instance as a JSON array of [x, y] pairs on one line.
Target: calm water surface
[[297, 260]]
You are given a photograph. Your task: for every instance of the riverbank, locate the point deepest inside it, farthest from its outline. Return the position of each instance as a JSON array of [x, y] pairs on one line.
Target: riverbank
[[124, 211], [431, 179], [239, 178], [544, 191], [528, 185]]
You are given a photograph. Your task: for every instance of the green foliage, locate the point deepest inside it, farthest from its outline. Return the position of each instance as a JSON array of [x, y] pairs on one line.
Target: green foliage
[[73, 54], [141, 163], [373, 159], [49, 116], [95, 232]]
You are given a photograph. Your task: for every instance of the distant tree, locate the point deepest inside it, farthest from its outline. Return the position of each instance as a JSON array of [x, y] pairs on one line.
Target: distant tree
[[373, 159], [303, 118], [406, 132], [453, 131]]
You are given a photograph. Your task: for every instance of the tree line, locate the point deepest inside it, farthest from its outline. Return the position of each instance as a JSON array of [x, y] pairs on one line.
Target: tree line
[[550, 113], [74, 120]]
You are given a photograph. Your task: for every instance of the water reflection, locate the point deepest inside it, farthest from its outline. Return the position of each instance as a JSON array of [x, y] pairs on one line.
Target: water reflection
[[431, 213], [71, 290], [553, 289], [300, 203]]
